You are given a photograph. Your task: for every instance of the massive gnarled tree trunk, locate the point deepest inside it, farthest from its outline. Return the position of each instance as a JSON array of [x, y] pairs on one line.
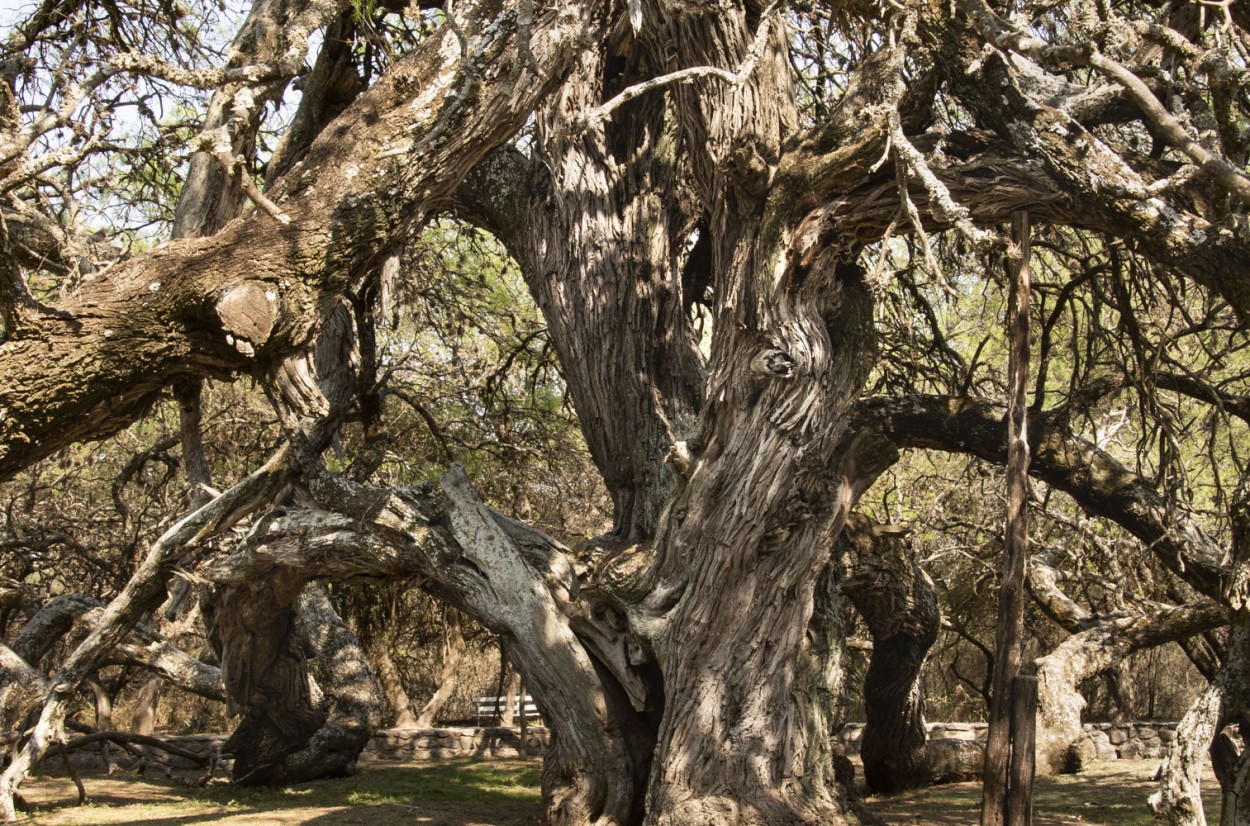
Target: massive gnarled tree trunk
[[692, 654]]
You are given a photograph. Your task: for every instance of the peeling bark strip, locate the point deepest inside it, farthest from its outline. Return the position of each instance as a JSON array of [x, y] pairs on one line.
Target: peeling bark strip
[[1009, 640]]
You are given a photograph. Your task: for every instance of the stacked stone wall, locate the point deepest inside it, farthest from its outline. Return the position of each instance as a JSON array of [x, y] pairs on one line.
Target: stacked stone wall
[[401, 744], [1142, 740], [1147, 739]]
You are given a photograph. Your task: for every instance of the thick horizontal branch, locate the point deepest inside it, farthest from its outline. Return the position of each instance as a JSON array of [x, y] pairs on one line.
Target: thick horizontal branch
[[1093, 478], [388, 162]]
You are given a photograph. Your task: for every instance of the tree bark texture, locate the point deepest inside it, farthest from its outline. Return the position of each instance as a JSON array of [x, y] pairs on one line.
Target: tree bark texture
[[1022, 765], [692, 655], [250, 293], [600, 244], [298, 677]]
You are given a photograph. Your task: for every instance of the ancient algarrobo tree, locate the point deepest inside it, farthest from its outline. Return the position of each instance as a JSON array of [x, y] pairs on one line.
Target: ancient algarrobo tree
[[694, 652]]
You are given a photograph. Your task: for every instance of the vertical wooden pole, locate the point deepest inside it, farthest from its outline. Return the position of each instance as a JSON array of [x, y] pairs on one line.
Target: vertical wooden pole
[[1010, 637], [1023, 755], [524, 719]]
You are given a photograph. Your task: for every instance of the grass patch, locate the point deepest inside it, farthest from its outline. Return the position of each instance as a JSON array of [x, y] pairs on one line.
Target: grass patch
[[445, 781], [468, 791], [1108, 794]]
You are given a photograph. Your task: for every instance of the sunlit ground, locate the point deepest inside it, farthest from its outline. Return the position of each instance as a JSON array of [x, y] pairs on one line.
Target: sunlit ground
[[477, 792]]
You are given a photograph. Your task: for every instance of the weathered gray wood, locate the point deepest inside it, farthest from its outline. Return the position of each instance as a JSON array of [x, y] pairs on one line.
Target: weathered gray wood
[[1097, 645], [1009, 640], [1021, 768]]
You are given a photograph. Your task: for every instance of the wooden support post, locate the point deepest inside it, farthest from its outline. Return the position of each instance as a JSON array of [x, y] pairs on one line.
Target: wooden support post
[[1023, 751], [1009, 640], [524, 718]]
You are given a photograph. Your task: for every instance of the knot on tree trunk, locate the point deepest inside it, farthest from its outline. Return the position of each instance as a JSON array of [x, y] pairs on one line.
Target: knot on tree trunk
[[247, 313], [773, 363]]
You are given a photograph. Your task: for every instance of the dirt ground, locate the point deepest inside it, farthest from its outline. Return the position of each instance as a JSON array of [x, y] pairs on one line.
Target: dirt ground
[[379, 795], [130, 801], [1110, 794]]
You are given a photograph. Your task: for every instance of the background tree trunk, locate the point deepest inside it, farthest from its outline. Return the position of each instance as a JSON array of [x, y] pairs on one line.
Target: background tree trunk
[[899, 603], [453, 655]]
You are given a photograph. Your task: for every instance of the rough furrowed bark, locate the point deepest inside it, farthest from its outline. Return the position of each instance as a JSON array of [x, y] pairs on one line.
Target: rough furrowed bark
[[755, 525], [1179, 797], [600, 244], [745, 541], [592, 774], [247, 294]]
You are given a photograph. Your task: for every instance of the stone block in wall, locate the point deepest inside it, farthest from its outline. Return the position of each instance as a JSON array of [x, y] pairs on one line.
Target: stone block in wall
[[1147, 733], [1133, 750], [1167, 735], [1117, 736]]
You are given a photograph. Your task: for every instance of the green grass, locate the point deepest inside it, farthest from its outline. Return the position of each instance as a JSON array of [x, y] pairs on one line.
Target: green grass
[[445, 781], [502, 790], [1109, 794]]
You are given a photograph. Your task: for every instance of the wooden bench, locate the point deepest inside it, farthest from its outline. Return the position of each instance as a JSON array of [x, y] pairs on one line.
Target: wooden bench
[[489, 709]]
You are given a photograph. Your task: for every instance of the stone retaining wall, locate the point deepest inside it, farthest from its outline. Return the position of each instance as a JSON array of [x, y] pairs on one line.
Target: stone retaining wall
[[425, 743], [405, 744], [1146, 739]]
